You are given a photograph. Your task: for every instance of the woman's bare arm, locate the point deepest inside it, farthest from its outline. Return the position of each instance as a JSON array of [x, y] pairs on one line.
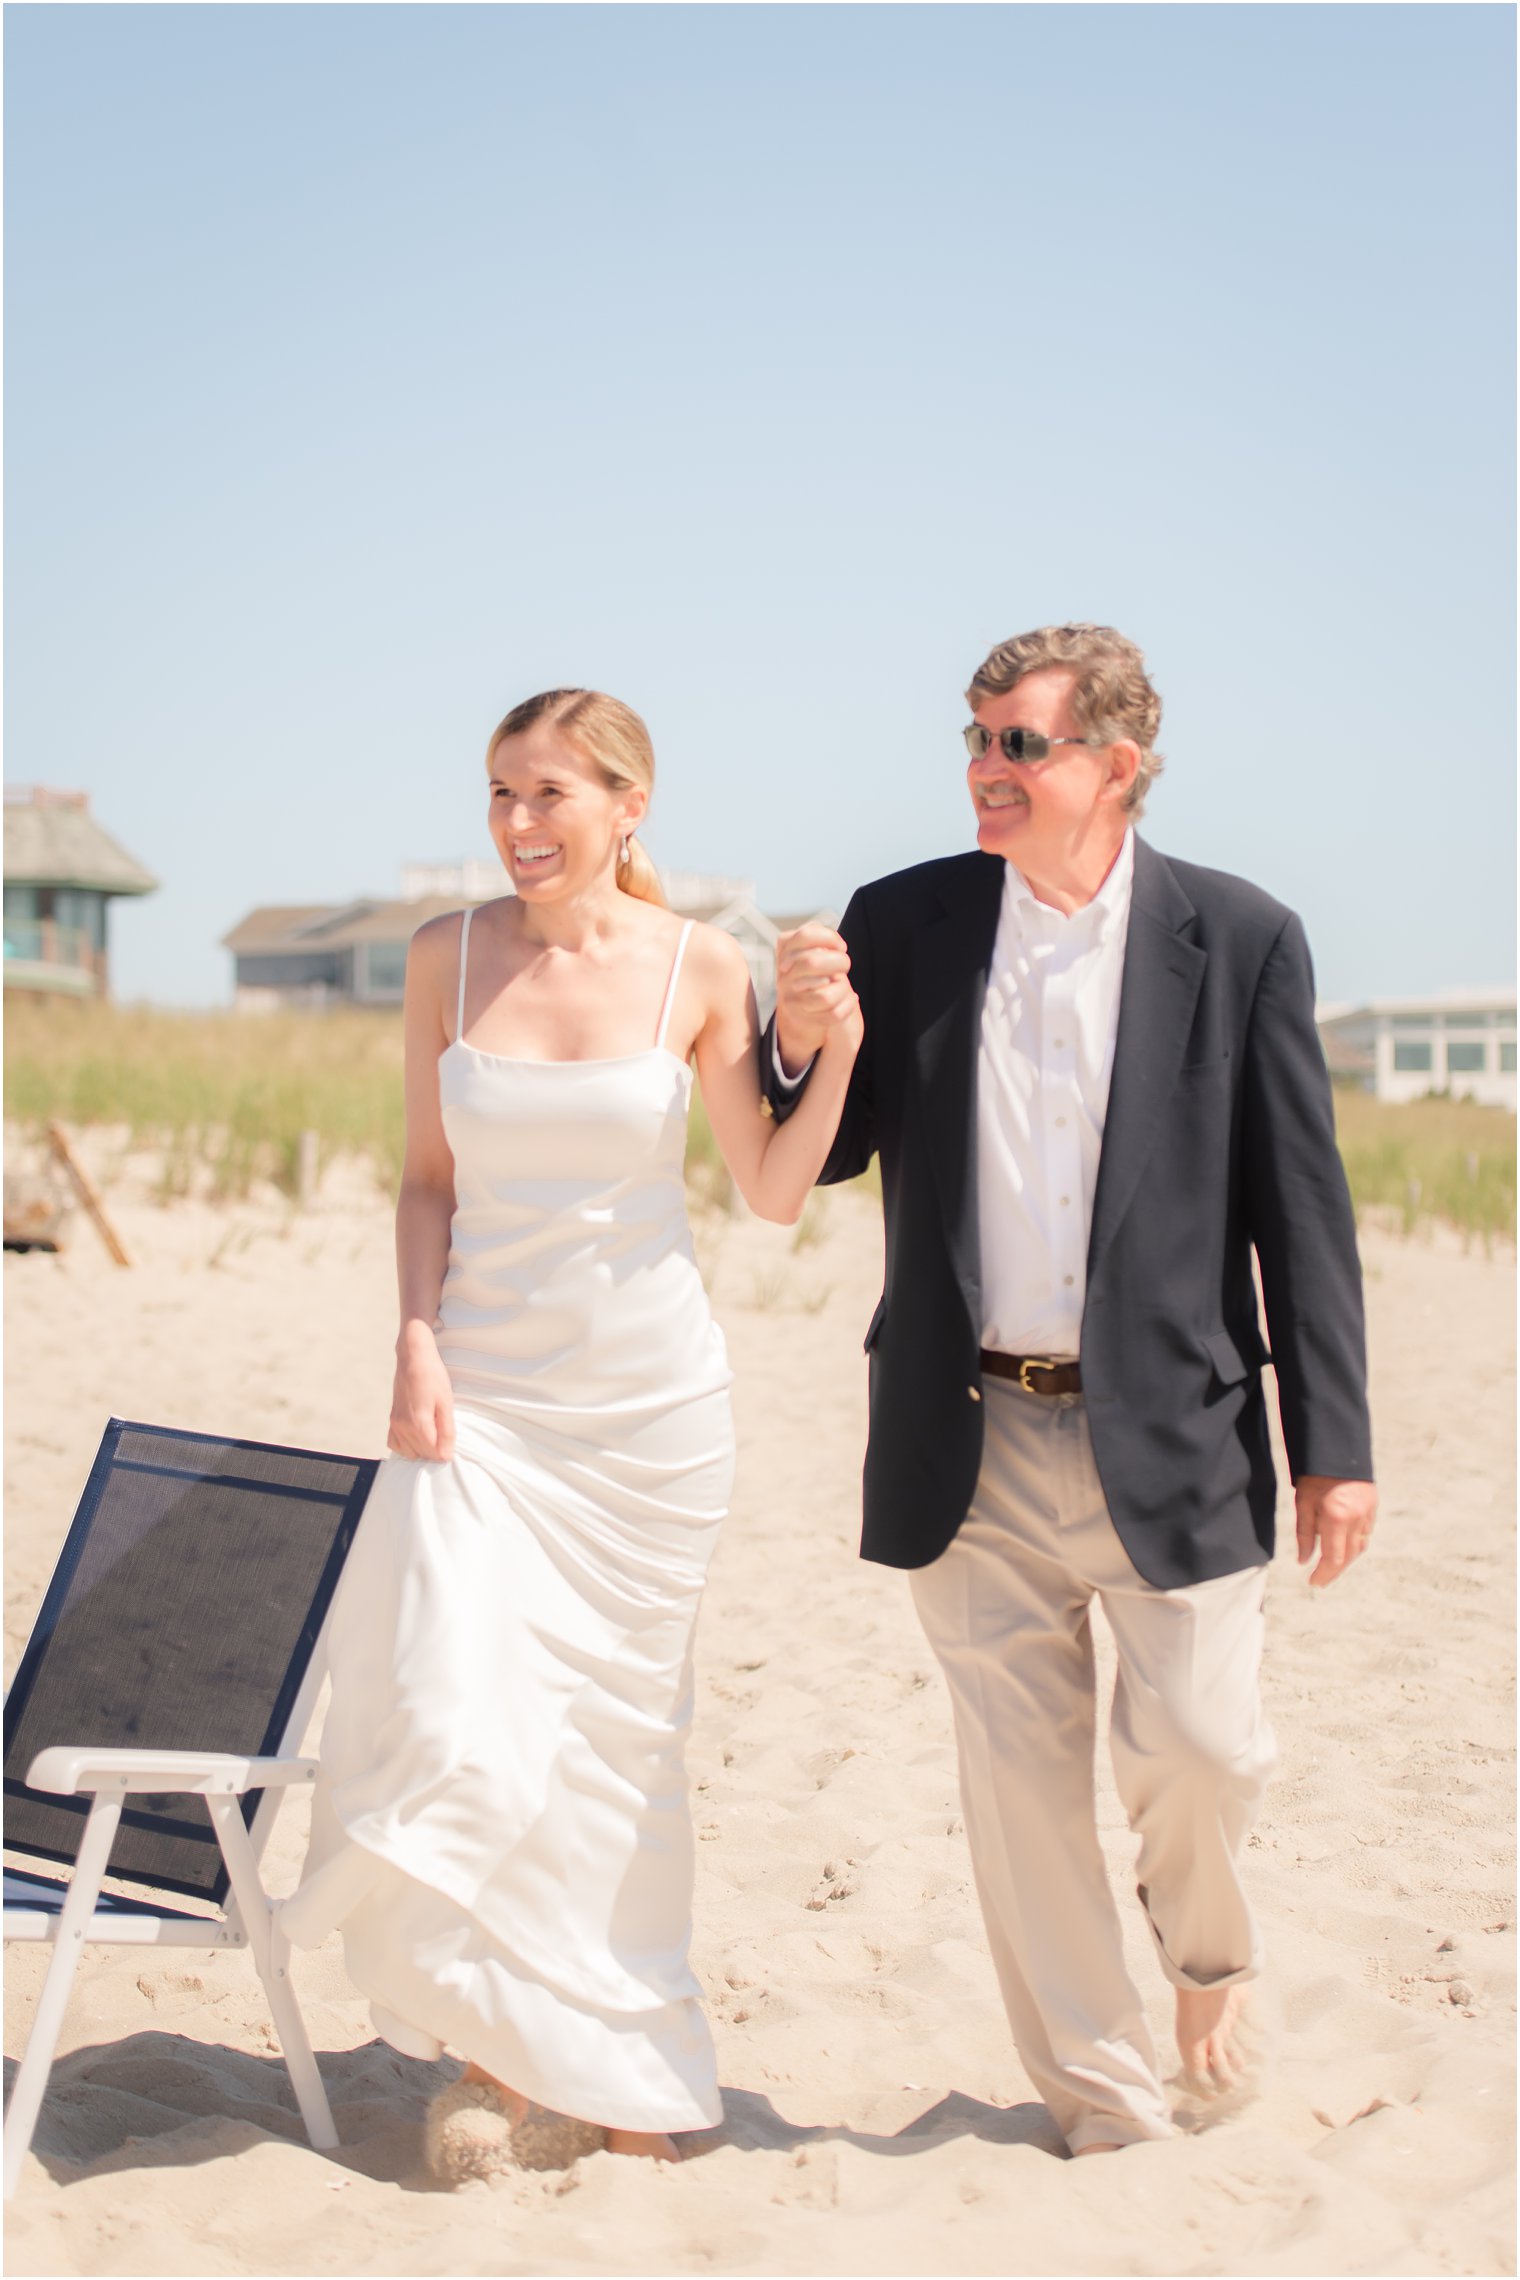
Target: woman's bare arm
[[774, 1165], [422, 1408]]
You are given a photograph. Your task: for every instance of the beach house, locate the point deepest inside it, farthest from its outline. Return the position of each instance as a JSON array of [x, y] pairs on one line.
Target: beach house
[[1460, 1042], [62, 871]]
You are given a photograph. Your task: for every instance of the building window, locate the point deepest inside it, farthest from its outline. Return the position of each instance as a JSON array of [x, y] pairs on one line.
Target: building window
[[385, 965], [1411, 1056], [1507, 1056], [23, 930], [83, 912], [1462, 1060]]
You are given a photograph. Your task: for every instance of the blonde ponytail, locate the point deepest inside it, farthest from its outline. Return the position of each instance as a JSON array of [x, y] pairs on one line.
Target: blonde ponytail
[[615, 740], [637, 876]]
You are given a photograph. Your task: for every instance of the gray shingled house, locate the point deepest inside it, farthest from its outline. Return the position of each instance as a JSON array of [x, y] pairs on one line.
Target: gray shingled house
[[321, 954]]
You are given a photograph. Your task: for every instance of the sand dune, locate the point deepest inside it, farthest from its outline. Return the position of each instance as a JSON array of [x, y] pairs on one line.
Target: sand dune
[[878, 2121]]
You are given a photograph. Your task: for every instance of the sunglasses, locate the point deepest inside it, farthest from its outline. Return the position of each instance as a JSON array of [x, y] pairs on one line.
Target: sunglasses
[[1016, 743]]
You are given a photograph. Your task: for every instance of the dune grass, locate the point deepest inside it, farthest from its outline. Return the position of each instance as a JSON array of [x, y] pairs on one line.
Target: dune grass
[[1430, 1159], [230, 1095], [226, 1097]]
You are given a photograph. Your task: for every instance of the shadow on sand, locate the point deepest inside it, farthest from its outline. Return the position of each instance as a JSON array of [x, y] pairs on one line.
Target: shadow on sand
[[751, 2123], [158, 2100]]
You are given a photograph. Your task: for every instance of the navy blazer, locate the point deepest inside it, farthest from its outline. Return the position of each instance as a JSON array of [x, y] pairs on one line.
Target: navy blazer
[[1219, 1140]]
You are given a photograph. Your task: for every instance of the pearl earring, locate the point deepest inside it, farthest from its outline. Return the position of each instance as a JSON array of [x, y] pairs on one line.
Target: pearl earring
[[625, 848]]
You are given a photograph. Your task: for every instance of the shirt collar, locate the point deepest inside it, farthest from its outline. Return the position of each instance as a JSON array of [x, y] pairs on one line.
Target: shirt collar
[[1108, 908]]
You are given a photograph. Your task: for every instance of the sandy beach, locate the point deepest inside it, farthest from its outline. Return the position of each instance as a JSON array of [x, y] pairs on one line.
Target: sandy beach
[[878, 2120]]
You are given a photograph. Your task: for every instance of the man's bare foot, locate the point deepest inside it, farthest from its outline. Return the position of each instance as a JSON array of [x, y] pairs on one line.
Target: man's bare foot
[[1104, 2146], [654, 2145], [1216, 2056]]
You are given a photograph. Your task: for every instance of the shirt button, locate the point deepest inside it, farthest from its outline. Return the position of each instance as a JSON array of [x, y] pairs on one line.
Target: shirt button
[[1060, 1042], [975, 1391], [1060, 1120], [1066, 1199], [1068, 1280]]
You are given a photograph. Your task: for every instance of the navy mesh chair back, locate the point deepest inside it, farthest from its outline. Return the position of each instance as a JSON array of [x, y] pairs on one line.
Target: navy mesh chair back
[[183, 1614]]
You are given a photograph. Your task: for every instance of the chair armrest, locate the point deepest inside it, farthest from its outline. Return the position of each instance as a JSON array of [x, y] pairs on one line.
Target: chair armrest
[[205, 1773]]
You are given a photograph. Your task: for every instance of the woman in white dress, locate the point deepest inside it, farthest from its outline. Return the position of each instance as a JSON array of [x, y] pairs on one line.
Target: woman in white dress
[[501, 1825]]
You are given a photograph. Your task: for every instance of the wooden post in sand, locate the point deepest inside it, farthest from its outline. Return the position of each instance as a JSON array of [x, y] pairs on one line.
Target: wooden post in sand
[[88, 1194], [306, 1169]]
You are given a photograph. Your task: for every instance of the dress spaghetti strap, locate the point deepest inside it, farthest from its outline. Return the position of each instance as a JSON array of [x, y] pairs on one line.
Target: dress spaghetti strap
[[670, 986], [464, 952]]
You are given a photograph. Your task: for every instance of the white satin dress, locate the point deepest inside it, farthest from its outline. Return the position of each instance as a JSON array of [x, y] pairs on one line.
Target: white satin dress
[[501, 1825]]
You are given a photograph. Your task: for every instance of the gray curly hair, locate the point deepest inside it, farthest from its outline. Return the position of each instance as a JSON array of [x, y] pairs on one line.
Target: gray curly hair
[[1113, 696]]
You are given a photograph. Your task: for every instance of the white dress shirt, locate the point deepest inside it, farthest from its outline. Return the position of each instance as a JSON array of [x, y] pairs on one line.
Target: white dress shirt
[[1049, 1025]]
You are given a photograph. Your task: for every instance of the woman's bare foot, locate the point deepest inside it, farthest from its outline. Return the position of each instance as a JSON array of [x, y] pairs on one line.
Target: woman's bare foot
[[1215, 2057], [1106, 2146], [654, 2145], [514, 2101], [480, 2126]]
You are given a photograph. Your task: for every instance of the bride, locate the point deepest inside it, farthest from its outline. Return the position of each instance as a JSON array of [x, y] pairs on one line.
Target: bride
[[501, 1825]]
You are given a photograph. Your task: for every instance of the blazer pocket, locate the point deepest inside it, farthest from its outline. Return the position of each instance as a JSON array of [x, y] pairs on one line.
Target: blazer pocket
[[1230, 1365], [1191, 1071], [874, 1330]]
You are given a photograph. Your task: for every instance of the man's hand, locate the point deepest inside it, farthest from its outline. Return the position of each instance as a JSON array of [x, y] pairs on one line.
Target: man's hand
[[1336, 1515], [813, 994]]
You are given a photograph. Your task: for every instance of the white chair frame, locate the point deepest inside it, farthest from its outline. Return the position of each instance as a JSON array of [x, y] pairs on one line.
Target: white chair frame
[[89, 1917]]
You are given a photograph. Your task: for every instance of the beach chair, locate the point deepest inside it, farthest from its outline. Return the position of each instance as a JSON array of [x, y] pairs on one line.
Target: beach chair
[[152, 1726]]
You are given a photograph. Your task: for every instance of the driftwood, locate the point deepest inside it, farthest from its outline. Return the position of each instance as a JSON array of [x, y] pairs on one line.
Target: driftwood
[[88, 1194]]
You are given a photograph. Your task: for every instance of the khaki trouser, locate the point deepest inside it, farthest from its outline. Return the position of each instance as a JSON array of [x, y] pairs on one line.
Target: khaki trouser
[[1006, 1610]]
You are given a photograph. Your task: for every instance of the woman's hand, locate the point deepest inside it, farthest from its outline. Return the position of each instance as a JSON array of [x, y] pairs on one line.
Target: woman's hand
[[422, 1399]]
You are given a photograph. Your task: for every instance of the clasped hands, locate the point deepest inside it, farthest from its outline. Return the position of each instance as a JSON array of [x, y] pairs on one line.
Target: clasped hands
[[815, 1003]]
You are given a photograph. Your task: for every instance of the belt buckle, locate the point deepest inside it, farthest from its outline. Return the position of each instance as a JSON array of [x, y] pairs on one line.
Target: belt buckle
[[1033, 1362]]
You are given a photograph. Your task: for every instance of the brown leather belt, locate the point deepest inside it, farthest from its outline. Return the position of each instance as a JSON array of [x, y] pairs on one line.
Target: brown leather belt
[[1035, 1373]]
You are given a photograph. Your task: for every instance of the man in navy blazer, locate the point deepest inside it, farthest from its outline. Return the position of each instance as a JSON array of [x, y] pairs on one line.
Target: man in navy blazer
[[1094, 1082]]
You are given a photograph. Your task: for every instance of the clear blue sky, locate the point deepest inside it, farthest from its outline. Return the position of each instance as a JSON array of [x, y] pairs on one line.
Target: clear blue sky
[[372, 367]]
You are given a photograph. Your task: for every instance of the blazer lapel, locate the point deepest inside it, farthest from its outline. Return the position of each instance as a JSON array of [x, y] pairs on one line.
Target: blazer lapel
[[951, 957], [1163, 973]]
